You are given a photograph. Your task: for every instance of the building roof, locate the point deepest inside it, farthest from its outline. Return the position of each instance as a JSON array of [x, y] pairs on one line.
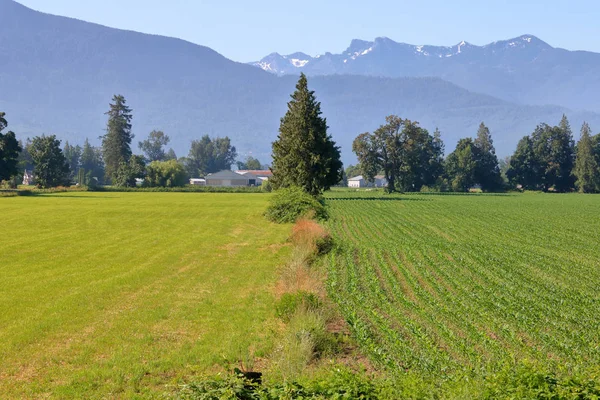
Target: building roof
[[379, 176], [226, 174], [356, 178], [256, 172]]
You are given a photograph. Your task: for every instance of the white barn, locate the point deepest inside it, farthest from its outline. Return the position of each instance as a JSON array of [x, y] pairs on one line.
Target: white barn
[[361, 182]]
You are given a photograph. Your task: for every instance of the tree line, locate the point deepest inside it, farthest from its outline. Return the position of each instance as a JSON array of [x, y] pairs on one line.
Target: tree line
[[114, 162], [305, 155], [412, 159]]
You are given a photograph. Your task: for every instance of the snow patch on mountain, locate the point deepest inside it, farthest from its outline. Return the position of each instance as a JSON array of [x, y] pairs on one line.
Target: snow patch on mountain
[[299, 63]]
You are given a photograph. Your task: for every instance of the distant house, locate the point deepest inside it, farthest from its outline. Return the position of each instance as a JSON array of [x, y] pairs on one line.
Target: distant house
[[230, 178], [262, 176], [28, 178], [198, 182], [361, 182], [357, 182]]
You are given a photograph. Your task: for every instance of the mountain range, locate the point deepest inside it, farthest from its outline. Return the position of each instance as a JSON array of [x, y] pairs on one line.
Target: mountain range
[[524, 70], [58, 75]]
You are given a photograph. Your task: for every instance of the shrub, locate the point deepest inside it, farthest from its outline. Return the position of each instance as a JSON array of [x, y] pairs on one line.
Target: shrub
[[166, 174], [289, 204], [292, 302], [267, 187]]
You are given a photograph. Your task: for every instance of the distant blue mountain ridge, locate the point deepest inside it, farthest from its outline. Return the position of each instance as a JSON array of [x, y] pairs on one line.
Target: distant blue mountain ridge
[[58, 75], [524, 70]]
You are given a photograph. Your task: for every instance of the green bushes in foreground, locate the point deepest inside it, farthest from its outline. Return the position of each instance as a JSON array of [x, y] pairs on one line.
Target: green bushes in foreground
[[521, 382], [289, 204], [291, 302]]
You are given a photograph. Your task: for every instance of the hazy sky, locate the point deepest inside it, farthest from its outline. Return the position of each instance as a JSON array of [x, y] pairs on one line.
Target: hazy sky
[[245, 30]]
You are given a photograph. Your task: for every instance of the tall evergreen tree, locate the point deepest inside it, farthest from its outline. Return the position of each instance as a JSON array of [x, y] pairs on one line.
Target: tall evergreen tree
[[73, 156], [9, 151], [586, 168], [116, 144], [304, 155], [488, 171], [51, 167], [91, 162]]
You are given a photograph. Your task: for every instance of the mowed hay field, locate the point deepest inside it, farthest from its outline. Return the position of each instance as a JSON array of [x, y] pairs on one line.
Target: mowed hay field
[[446, 287], [118, 295]]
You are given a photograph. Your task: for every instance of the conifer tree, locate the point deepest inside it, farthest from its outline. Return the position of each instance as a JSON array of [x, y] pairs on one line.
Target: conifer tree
[[488, 171], [116, 144], [91, 162], [304, 155], [586, 167]]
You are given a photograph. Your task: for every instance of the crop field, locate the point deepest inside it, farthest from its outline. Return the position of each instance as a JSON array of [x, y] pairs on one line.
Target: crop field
[[118, 295], [447, 286]]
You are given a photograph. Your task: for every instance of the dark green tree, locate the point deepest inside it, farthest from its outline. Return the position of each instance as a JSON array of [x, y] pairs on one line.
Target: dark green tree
[[91, 163], [51, 167], [73, 156], [461, 166], [524, 168], [406, 153], [9, 151], [208, 156], [154, 147], [487, 173], [116, 143], [128, 172], [555, 152], [586, 168], [304, 155]]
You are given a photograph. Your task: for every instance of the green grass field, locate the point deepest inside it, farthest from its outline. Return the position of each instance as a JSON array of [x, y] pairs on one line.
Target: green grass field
[[118, 295], [448, 286]]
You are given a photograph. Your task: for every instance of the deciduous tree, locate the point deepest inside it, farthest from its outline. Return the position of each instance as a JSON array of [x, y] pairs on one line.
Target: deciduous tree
[[407, 154], [461, 166], [166, 174], [9, 151], [51, 167], [154, 147], [208, 156]]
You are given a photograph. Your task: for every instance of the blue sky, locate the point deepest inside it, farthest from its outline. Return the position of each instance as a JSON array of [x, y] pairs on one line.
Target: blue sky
[[246, 30]]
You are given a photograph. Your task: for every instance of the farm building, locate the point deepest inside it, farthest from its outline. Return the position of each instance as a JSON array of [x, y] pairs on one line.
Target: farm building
[[230, 178], [357, 182], [262, 176], [198, 182], [360, 182]]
